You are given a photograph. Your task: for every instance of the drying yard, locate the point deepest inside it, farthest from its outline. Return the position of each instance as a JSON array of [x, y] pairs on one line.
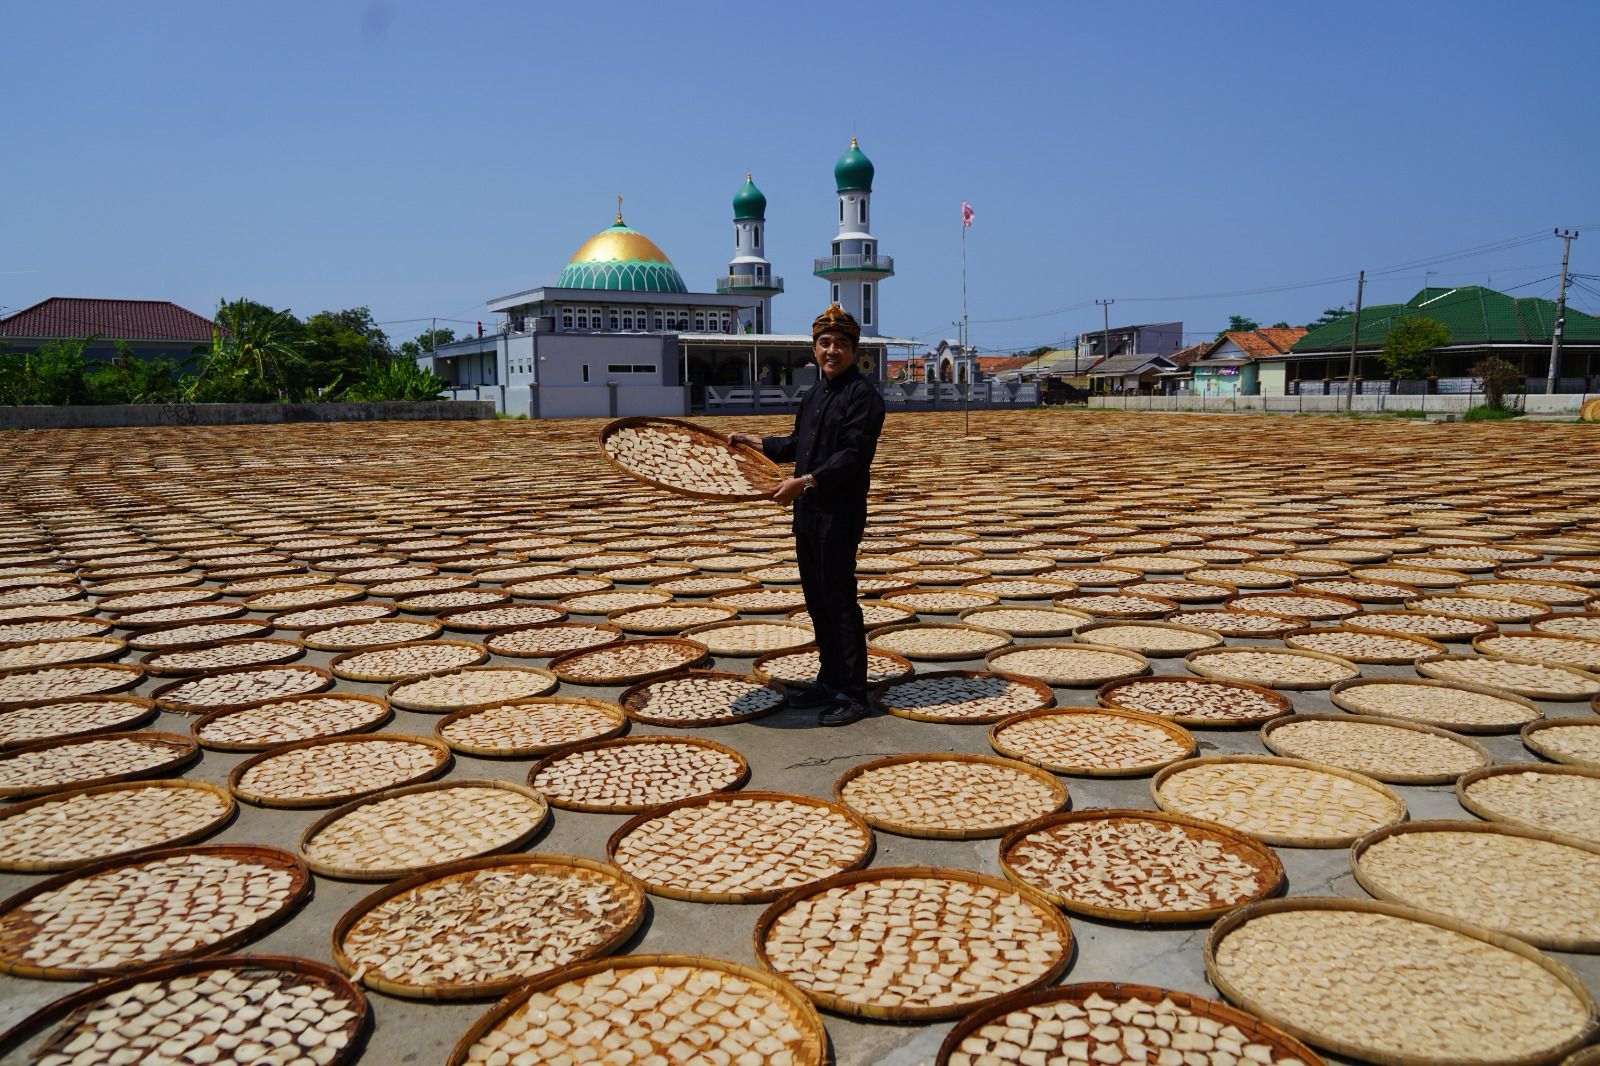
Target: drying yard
[[1209, 740]]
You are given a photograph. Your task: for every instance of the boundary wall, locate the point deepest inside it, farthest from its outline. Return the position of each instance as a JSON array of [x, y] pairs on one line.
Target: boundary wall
[[1563, 403], [228, 414]]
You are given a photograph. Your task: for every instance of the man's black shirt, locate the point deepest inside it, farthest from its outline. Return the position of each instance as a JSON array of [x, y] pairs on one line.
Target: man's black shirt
[[834, 440]]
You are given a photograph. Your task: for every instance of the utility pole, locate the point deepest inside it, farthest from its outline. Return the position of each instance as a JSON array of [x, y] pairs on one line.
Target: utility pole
[[1355, 334], [1567, 237], [1105, 321]]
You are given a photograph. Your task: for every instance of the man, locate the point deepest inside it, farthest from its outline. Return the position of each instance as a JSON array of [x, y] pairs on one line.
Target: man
[[835, 437]]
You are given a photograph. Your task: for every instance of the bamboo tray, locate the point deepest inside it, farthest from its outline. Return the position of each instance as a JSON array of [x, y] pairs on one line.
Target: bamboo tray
[[1239, 703], [1337, 834], [432, 693], [535, 726], [1516, 710], [1294, 1007], [62, 823], [967, 1045], [611, 783], [1069, 664], [696, 698], [69, 1014], [1273, 668], [750, 475], [298, 752], [1588, 756], [25, 630], [750, 638], [1252, 625], [655, 657], [20, 923], [192, 695], [746, 847], [1477, 880], [52, 684], [223, 655], [969, 697], [472, 918], [1360, 645], [1575, 813], [54, 652], [1030, 621], [1243, 850], [1549, 649], [72, 718], [1156, 640], [500, 617], [523, 809], [162, 752], [798, 668], [196, 634], [403, 662], [317, 617], [361, 636], [1047, 940], [1367, 759], [329, 714], [1091, 728], [465, 599], [1491, 610], [937, 642], [668, 619], [745, 986], [299, 599], [1117, 605], [550, 639], [948, 796], [1538, 681]]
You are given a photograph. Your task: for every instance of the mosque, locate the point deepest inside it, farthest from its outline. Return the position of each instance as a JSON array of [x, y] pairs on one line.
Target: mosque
[[621, 334]]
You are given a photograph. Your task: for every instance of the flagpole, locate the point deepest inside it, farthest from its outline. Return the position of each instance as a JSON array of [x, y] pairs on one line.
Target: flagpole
[[966, 387]]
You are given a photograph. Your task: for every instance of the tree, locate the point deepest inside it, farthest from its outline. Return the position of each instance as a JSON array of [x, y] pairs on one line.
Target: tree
[[1498, 378], [1408, 350], [426, 341], [52, 374], [254, 356], [1281, 325], [1238, 324], [130, 379], [397, 379], [1329, 316]]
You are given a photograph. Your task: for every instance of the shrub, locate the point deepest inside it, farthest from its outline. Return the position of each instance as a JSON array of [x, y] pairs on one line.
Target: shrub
[[1487, 413], [396, 379], [1498, 378]]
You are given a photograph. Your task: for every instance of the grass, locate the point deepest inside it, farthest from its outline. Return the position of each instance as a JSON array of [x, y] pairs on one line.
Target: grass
[[1485, 413]]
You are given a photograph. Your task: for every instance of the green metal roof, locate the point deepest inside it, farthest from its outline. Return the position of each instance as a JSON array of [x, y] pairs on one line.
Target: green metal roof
[[1474, 315], [853, 170], [748, 203]]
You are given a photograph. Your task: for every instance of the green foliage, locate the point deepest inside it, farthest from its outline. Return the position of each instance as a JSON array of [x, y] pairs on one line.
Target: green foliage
[[129, 379], [1238, 324], [1281, 325], [1408, 351], [254, 356], [397, 379], [1488, 413], [50, 374], [426, 341], [1331, 314], [1498, 379], [339, 346]]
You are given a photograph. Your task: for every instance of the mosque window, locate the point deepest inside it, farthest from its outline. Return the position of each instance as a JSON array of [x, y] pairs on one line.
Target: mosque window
[[866, 303], [725, 322], [861, 211], [657, 319], [583, 319], [841, 210], [761, 319], [699, 321], [566, 318], [627, 320], [835, 293], [756, 230], [613, 318], [866, 250], [585, 371]]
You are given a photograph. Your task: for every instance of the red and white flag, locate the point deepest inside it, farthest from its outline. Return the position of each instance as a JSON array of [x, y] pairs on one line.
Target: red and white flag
[[966, 214]]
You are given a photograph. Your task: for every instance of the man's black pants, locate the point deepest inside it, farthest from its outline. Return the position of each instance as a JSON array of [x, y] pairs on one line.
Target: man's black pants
[[828, 578]]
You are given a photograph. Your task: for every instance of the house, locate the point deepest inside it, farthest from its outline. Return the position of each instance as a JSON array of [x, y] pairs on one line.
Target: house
[[1150, 338], [1064, 365], [1229, 366], [155, 329], [1132, 373], [1482, 322]]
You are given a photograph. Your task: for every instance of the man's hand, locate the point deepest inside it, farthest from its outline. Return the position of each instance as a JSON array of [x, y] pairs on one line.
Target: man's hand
[[788, 490], [745, 439]]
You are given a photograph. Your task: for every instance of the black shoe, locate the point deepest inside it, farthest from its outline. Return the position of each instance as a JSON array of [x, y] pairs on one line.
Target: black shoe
[[808, 699], [843, 712]]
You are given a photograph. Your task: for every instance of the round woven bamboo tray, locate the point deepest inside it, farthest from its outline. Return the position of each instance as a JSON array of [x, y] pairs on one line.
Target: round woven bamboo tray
[[1051, 939], [1574, 812], [243, 686], [524, 811], [1495, 888], [51, 652], [359, 636], [1337, 834], [940, 696], [1588, 1056], [1363, 646], [624, 914], [1253, 859], [1096, 577], [669, 619], [499, 618], [316, 617], [1369, 999], [1313, 608], [874, 613], [766, 845], [59, 822], [95, 760], [1546, 648], [1349, 753], [551, 638], [1273, 668], [72, 718], [610, 664], [1537, 681], [722, 769], [299, 599], [438, 602], [967, 1045], [1548, 593], [698, 584], [1361, 591], [745, 474], [1092, 730], [1495, 710], [1580, 746], [808, 1048], [1579, 624], [1494, 610], [438, 756], [750, 638], [1069, 664], [27, 630], [798, 668], [51, 684], [195, 635], [447, 691], [949, 796], [401, 662], [222, 655], [19, 925], [61, 1023], [1238, 703], [723, 698], [937, 642], [1159, 640], [1117, 605], [557, 588], [531, 727], [267, 725]]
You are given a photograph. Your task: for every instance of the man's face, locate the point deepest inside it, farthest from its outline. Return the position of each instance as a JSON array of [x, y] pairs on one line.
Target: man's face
[[834, 353]]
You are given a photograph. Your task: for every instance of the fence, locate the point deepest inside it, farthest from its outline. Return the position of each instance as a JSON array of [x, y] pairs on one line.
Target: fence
[[1362, 403]]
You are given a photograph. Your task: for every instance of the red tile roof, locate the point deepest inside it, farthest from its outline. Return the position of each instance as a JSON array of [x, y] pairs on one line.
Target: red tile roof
[[123, 320], [995, 364], [1185, 356], [1270, 340]]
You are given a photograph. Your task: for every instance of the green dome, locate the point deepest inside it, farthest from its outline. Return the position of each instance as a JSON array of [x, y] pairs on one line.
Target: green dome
[[622, 260], [748, 203], [854, 169]]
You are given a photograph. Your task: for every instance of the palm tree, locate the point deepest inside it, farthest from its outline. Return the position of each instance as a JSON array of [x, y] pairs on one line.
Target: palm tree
[[252, 349]]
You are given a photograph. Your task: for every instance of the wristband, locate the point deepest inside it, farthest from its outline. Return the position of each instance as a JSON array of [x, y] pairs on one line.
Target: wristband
[[810, 481]]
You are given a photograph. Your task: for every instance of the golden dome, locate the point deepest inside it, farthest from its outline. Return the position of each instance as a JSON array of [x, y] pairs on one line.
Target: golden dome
[[619, 244], [622, 259]]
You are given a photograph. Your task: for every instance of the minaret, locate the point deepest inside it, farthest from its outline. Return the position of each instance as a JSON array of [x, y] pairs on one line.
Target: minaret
[[749, 273], [854, 268]]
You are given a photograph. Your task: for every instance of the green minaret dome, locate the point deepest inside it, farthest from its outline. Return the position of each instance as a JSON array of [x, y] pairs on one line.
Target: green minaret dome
[[853, 170], [748, 203]]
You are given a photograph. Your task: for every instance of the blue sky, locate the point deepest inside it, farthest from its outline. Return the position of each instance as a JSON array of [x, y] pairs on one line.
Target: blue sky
[[420, 159]]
